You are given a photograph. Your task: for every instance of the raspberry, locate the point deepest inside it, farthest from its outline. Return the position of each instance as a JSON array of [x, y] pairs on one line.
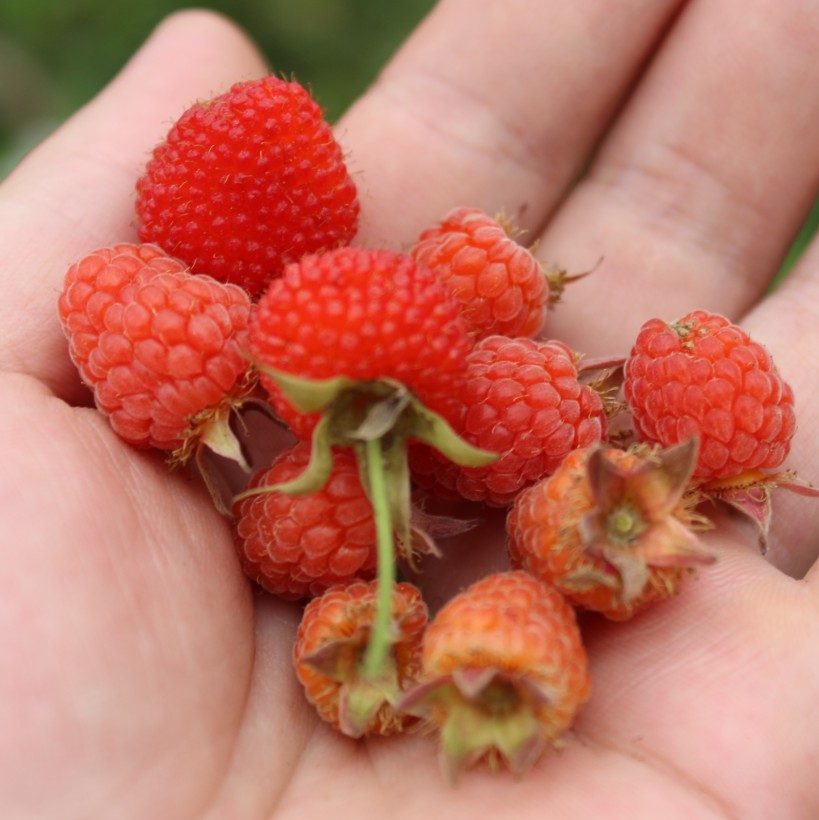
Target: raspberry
[[703, 376], [366, 315], [504, 672], [501, 285], [503, 289], [611, 529], [247, 182], [298, 546], [523, 400], [159, 346], [331, 642]]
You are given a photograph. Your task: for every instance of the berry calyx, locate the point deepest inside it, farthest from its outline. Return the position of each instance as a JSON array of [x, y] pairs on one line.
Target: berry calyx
[[613, 530], [331, 650]]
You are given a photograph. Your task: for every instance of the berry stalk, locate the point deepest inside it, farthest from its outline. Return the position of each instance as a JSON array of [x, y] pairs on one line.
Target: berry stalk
[[378, 647]]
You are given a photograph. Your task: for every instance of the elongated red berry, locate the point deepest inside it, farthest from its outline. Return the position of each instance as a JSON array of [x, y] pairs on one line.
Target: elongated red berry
[[611, 529], [704, 376], [296, 546], [523, 400], [246, 182], [159, 346], [504, 673], [365, 315], [330, 647], [503, 288]]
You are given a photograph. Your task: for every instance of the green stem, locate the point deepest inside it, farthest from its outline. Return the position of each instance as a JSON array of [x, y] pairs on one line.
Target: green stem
[[380, 636]]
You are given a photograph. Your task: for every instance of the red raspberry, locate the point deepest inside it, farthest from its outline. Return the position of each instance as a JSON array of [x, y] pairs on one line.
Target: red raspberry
[[159, 346], [703, 376], [611, 529], [246, 182], [296, 546], [504, 672], [523, 400], [331, 643], [364, 314], [503, 288]]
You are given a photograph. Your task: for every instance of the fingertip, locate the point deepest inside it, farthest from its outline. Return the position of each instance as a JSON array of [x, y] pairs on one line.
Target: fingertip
[[191, 54]]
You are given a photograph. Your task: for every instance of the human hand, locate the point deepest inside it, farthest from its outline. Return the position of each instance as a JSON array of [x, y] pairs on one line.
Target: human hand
[[144, 678]]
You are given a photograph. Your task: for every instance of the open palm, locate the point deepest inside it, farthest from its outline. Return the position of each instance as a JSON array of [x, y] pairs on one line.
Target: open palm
[[144, 677]]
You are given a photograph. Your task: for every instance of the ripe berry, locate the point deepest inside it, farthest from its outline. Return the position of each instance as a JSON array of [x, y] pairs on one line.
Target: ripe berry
[[296, 546], [329, 651], [703, 376], [611, 529], [159, 346], [504, 673], [366, 315], [501, 285], [523, 400], [246, 182]]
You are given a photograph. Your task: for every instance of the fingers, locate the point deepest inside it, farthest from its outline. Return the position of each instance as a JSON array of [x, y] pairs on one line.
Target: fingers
[[787, 323], [75, 192], [495, 105], [704, 180]]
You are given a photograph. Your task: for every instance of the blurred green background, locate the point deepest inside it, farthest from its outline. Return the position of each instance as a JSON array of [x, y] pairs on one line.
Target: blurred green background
[[56, 54]]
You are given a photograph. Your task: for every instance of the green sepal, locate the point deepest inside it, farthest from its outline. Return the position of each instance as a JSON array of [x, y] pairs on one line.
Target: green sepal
[[432, 429], [483, 713], [219, 437], [308, 395], [388, 406], [315, 474], [364, 702]]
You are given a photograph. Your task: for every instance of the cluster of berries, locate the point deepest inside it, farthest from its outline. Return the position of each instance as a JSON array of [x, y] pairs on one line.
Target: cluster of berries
[[403, 377]]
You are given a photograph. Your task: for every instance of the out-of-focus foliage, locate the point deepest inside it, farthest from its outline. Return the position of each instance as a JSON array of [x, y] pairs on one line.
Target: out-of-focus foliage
[[56, 54]]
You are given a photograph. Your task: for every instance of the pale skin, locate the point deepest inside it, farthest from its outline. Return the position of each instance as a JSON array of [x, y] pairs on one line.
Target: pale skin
[[143, 676]]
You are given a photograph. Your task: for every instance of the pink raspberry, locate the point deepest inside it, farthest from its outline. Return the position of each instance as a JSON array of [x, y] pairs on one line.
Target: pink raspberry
[[703, 376], [501, 285], [158, 345], [296, 546], [523, 400]]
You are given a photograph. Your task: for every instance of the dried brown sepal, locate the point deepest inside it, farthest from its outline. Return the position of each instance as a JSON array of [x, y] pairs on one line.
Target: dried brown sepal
[[642, 515], [750, 494]]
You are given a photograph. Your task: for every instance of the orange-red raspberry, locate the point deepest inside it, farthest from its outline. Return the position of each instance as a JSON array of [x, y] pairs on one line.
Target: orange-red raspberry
[[611, 529], [502, 287], [504, 672], [523, 400], [366, 315], [159, 346], [703, 376], [246, 182], [296, 546], [330, 647]]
